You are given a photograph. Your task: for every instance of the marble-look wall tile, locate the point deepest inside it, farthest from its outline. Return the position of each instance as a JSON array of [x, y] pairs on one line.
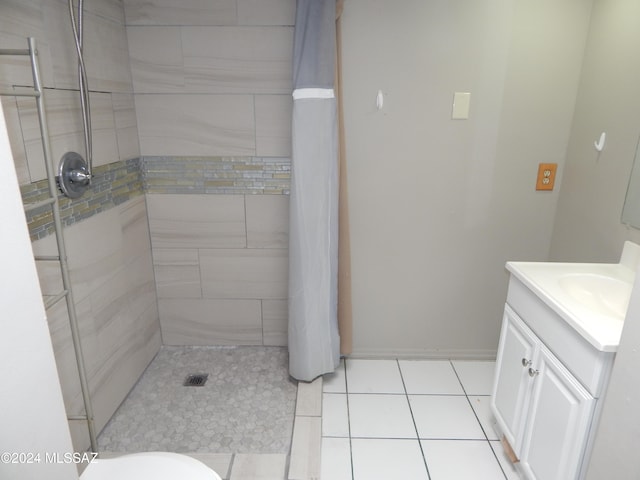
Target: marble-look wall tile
[[273, 125], [177, 273], [266, 12], [186, 12], [197, 221], [238, 59], [58, 322], [244, 273], [20, 19], [94, 249], [202, 250], [65, 129], [124, 112], [109, 9], [59, 35], [12, 119], [105, 48], [199, 74], [178, 281], [156, 59], [196, 124], [108, 70], [135, 228], [106, 54], [103, 128], [114, 291], [64, 119], [275, 322], [267, 221], [210, 322]]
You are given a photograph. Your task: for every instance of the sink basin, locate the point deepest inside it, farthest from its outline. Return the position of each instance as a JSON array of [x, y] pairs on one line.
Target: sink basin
[[602, 293], [592, 298]]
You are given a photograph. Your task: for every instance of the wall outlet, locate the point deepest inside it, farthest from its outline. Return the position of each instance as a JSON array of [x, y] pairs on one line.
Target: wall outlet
[[546, 176]]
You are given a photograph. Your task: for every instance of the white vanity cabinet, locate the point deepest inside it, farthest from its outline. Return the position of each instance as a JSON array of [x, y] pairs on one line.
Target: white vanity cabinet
[[547, 388]]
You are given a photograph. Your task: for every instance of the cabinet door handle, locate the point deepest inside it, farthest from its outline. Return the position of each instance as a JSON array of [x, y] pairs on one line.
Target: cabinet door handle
[[526, 363], [532, 372]]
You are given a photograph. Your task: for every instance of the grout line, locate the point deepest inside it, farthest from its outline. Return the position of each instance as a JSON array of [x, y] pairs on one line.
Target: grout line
[[415, 426], [229, 470], [477, 418], [346, 394]]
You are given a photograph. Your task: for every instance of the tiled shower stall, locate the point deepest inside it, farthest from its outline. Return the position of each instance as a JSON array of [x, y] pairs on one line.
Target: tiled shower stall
[[182, 239]]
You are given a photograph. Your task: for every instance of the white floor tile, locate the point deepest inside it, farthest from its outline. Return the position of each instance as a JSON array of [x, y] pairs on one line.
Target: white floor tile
[[380, 416], [461, 459], [336, 459], [508, 468], [384, 459], [430, 377], [445, 416], [481, 405], [335, 382], [373, 376], [476, 376], [335, 419]]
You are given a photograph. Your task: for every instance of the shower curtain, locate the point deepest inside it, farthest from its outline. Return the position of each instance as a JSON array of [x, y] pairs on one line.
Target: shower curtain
[[314, 342]]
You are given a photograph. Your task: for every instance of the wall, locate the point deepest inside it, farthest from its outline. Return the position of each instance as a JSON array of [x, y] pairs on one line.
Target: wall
[[32, 413], [437, 206], [115, 132], [107, 233], [114, 292], [212, 90], [587, 225], [614, 451]]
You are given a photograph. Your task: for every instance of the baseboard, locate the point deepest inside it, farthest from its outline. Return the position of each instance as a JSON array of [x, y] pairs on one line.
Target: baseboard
[[427, 354]]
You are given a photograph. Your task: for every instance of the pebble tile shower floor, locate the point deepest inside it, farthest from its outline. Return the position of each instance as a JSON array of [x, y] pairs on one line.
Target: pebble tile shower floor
[[246, 406]]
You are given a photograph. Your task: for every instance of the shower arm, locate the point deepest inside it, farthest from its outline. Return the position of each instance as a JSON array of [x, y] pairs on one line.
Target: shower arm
[[83, 85]]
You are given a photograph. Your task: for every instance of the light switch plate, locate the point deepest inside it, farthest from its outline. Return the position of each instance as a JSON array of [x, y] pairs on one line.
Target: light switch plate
[[461, 102]]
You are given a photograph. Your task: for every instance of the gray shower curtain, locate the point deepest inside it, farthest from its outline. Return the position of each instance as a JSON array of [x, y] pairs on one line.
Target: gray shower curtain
[[314, 343]]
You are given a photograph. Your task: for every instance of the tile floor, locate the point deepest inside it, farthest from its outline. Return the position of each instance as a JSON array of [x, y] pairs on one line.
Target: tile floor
[[246, 406], [239, 423], [410, 419], [372, 419]]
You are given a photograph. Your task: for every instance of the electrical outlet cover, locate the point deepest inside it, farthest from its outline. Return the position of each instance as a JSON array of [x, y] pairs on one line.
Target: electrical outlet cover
[[546, 176]]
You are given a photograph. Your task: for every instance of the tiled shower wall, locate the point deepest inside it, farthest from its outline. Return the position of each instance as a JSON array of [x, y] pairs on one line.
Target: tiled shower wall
[[115, 133], [212, 84], [198, 98], [106, 231]]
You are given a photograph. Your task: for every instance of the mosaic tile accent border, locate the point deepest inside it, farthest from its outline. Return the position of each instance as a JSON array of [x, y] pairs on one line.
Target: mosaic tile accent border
[[119, 182], [112, 185], [216, 175]]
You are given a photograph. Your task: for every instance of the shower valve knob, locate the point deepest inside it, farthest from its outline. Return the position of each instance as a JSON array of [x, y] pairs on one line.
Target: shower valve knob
[[80, 176]]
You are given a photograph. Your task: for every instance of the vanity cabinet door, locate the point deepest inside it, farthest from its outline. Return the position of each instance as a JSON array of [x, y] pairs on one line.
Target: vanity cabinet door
[[513, 385], [560, 415]]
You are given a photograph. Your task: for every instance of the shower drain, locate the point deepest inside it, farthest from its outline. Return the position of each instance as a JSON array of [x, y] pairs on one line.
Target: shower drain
[[196, 380]]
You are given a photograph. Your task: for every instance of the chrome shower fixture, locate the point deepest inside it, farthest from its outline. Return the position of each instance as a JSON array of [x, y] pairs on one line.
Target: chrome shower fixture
[[77, 25], [73, 175]]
